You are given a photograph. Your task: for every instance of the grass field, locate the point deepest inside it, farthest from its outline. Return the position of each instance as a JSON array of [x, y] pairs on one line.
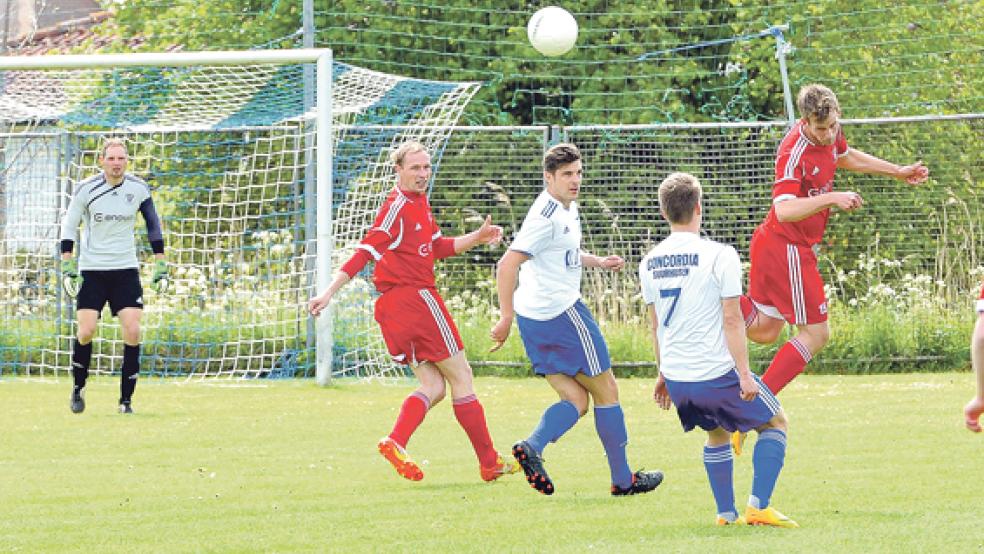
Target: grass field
[[875, 464]]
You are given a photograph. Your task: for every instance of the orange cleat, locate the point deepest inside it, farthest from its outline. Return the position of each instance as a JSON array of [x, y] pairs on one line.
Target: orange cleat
[[502, 467], [396, 455]]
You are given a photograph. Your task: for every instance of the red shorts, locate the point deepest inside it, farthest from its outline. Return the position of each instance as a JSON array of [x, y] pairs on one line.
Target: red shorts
[[784, 280], [416, 326]]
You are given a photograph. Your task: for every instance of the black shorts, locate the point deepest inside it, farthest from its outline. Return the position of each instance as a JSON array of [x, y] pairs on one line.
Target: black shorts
[[120, 287]]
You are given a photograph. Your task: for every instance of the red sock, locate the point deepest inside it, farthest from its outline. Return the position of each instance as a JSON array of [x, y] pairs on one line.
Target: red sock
[[788, 363], [471, 416], [748, 310], [411, 416]]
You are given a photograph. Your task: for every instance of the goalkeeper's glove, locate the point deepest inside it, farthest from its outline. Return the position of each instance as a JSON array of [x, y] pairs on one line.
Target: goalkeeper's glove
[[71, 280], [160, 280]]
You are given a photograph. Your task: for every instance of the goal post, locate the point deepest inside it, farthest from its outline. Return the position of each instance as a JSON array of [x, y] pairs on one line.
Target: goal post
[[322, 116]]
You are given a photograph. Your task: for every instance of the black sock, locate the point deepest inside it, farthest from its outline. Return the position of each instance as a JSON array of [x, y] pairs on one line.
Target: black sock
[[81, 358], [131, 367]]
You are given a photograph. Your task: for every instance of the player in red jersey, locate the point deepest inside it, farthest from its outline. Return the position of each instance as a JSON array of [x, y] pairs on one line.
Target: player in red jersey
[[784, 282], [974, 408], [405, 241]]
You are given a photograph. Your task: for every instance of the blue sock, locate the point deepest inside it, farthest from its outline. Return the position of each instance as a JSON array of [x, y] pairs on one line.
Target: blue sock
[[770, 452], [610, 423], [719, 463], [556, 420]]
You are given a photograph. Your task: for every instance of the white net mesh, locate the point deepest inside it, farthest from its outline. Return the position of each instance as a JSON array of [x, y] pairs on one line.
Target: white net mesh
[[229, 154]]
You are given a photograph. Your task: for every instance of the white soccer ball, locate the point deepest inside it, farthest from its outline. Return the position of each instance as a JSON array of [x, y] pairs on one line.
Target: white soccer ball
[[552, 31]]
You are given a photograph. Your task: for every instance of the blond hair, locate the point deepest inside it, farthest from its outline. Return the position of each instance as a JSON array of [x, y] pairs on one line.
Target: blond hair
[[110, 142], [410, 147], [817, 102], [679, 195]]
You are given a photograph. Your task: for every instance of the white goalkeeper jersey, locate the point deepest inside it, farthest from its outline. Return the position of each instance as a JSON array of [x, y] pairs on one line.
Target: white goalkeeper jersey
[[685, 277], [550, 281], [108, 216]]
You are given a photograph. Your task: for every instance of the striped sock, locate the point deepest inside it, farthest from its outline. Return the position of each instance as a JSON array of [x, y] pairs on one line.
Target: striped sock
[[411, 416], [556, 420], [767, 461], [788, 363], [719, 463], [471, 417], [610, 424]]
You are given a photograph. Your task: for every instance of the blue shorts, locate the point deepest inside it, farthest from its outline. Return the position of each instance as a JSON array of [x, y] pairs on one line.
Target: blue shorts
[[569, 344], [717, 403]]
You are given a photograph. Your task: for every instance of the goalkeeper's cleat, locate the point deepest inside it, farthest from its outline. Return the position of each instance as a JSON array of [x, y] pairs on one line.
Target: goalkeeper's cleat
[[78, 400], [738, 441], [503, 466], [126, 408], [768, 516], [722, 521], [532, 465], [398, 457], [642, 482]]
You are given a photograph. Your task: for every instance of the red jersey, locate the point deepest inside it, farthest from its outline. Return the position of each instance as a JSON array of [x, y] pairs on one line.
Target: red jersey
[[404, 241], [980, 301], [803, 169]]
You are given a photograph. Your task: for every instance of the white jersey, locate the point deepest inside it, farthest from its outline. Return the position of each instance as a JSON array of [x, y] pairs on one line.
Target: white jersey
[[686, 277], [109, 217], [550, 281]]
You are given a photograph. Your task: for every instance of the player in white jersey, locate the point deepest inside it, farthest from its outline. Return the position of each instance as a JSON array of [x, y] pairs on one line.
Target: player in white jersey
[[692, 286], [561, 337], [107, 270]]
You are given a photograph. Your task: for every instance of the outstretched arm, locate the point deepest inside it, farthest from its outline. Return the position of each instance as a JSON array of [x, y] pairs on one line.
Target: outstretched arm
[[486, 234], [856, 160], [614, 263], [317, 304]]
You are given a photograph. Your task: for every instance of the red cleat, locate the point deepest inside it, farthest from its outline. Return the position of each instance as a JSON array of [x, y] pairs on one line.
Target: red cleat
[[398, 457]]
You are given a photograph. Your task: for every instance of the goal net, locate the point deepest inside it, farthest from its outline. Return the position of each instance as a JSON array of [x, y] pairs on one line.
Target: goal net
[[229, 147]]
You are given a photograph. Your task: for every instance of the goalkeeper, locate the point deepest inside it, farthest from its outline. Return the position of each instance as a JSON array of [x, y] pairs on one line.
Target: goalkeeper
[[107, 269]]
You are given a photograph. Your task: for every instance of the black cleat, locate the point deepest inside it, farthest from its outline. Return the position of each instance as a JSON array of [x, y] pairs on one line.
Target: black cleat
[[532, 465], [642, 482], [125, 407], [78, 400]]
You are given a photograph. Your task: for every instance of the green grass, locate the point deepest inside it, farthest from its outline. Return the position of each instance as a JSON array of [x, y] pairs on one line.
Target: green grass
[[875, 464]]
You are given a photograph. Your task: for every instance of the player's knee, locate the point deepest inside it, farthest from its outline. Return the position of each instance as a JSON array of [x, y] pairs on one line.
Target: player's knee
[[86, 333], [778, 421], [131, 333]]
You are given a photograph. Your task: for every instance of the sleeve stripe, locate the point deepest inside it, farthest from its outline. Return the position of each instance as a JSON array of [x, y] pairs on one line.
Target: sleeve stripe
[[794, 158], [783, 198], [372, 251], [394, 210], [436, 236]]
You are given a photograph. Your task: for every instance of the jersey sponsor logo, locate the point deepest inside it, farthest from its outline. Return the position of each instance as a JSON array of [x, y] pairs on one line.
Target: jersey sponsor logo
[[572, 258], [424, 249], [99, 217]]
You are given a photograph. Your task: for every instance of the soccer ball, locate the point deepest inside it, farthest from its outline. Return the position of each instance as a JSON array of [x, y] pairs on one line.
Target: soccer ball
[[552, 31]]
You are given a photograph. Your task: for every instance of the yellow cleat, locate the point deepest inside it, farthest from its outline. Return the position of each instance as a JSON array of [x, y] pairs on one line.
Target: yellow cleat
[[738, 441], [503, 466], [768, 516], [738, 521]]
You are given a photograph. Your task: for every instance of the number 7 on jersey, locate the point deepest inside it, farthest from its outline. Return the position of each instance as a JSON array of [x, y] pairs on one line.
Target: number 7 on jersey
[[675, 295]]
